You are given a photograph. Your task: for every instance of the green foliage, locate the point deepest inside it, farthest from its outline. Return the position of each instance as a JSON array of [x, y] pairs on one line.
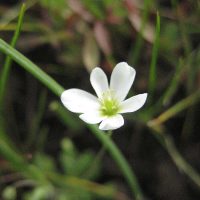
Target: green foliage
[[9, 193], [153, 68], [62, 40], [171, 31], [44, 162], [96, 8], [77, 164], [56, 8], [39, 193], [59, 4]]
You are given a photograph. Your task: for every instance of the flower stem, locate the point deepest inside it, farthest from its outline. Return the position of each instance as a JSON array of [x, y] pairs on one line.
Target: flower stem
[[102, 151], [120, 160], [100, 154]]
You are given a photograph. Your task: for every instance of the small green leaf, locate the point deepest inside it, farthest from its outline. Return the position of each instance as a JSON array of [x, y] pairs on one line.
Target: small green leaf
[[44, 162], [9, 193]]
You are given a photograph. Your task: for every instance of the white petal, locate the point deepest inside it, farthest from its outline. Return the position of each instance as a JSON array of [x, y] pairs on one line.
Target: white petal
[[122, 79], [99, 81], [112, 123], [79, 101], [134, 103], [91, 118]]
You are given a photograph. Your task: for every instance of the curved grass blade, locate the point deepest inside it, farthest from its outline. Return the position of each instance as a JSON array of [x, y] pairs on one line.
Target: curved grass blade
[[6, 71]]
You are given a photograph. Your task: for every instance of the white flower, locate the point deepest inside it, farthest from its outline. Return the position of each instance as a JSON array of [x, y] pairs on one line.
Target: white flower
[[110, 102]]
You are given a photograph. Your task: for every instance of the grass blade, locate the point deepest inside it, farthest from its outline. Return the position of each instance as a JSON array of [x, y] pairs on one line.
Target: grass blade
[[31, 68], [6, 68], [153, 71], [181, 105]]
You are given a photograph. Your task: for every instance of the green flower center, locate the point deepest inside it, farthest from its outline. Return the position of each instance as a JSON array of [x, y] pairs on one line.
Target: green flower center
[[109, 104]]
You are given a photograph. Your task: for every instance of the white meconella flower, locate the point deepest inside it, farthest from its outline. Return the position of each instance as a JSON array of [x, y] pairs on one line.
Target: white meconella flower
[[110, 102]]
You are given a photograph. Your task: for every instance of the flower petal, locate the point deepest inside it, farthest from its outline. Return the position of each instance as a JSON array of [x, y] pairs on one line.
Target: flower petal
[[79, 101], [134, 103], [122, 79], [112, 123], [99, 81], [91, 118]]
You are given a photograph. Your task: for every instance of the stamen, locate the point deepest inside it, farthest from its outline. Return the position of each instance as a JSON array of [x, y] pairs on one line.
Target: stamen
[[109, 104]]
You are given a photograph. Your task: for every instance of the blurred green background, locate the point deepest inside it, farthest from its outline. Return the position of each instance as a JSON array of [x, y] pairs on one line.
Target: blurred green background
[[46, 152]]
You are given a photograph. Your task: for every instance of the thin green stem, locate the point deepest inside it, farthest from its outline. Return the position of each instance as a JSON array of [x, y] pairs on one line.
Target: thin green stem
[[120, 160], [6, 71], [99, 155], [181, 105], [31, 68], [153, 72], [13, 13], [102, 150], [8, 62]]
